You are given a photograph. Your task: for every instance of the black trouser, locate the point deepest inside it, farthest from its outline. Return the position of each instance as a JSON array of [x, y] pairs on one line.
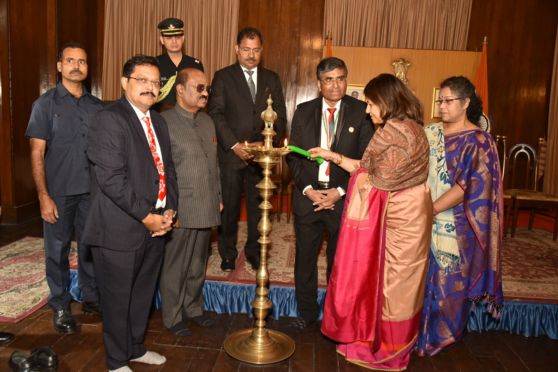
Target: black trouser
[[127, 282], [233, 182], [309, 230], [72, 211]]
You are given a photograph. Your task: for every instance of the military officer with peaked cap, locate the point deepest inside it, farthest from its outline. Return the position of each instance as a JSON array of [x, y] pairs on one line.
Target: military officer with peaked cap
[[172, 60]]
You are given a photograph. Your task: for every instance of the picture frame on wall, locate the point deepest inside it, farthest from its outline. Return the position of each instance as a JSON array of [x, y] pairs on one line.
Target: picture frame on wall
[[435, 108], [356, 91]]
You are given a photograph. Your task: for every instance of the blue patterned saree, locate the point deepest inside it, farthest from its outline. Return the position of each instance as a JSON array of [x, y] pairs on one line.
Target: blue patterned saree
[[464, 268]]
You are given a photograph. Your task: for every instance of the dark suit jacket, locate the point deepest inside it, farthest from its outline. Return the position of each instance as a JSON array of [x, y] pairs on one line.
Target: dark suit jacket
[[236, 117], [125, 182], [354, 131]]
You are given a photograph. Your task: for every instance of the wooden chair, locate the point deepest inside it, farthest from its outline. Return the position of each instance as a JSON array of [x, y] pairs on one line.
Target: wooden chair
[[525, 164]]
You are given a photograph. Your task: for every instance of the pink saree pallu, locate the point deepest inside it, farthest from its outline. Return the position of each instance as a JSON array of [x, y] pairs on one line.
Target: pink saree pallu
[[375, 293]]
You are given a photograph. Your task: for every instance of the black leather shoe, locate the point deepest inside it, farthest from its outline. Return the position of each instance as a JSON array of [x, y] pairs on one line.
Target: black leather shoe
[[19, 362], [43, 359], [6, 337], [180, 329], [227, 265], [203, 321], [64, 321], [254, 262], [91, 308]]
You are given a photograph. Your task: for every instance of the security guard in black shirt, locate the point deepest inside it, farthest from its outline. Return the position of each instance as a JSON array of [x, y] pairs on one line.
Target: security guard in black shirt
[[172, 61], [57, 133]]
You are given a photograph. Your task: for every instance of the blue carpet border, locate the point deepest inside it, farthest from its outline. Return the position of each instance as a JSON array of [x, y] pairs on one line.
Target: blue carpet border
[[530, 319]]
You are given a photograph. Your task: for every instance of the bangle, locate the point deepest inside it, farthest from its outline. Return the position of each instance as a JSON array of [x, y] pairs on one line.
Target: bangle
[[340, 159]]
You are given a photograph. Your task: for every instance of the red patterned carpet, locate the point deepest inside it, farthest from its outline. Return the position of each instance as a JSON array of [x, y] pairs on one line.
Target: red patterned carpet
[[530, 269], [530, 266], [529, 263], [280, 261], [23, 287]]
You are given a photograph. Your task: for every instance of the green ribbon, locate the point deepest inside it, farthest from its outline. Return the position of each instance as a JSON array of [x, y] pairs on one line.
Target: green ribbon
[[305, 153]]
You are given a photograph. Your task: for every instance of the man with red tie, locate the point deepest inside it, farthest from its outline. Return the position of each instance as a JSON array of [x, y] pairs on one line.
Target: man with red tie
[[134, 199], [333, 121]]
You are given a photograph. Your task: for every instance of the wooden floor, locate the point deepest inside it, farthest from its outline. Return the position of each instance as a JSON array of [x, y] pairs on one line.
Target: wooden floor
[[83, 351]]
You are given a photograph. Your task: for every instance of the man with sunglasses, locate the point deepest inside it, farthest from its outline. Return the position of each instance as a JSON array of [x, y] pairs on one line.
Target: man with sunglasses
[[57, 132], [194, 150], [337, 122], [172, 61], [237, 100]]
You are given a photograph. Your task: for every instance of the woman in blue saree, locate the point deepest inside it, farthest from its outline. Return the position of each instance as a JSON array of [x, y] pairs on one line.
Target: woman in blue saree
[[466, 186]]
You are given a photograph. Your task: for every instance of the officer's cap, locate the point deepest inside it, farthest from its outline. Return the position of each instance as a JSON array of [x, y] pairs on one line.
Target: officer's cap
[[171, 27]]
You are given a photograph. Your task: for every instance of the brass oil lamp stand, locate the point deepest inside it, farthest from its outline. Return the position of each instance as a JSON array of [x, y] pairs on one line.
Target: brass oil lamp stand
[[259, 345]]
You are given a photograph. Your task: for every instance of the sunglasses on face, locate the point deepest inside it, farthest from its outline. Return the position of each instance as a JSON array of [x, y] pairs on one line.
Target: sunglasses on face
[[201, 87]]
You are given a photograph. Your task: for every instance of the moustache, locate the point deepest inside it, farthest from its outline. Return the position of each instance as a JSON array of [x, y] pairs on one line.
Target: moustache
[[147, 94], [203, 97], [75, 71]]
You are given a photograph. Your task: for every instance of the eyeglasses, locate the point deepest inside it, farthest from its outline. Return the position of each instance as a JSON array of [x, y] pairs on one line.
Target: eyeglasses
[[248, 50], [329, 80], [447, 101], [200, 88], [145, 82], [71, 61]]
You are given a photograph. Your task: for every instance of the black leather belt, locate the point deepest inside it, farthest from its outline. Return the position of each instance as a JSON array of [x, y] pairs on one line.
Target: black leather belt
[[323, 185]]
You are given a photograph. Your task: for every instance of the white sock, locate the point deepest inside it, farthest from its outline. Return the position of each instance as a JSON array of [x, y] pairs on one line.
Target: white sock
[[150, 357]]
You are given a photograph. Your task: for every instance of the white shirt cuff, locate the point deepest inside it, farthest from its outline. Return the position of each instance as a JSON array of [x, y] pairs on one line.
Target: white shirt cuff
[[341, 191]]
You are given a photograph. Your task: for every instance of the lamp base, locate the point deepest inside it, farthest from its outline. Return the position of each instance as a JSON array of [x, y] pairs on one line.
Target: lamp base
[[259, 346]]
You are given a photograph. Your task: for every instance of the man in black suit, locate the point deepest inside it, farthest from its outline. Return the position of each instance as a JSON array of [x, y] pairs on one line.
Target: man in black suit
[[334, 121], [134, 198], [238, 97]]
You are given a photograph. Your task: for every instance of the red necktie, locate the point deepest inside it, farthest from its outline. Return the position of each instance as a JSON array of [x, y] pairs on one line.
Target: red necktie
[[331, 130], [156, 159]]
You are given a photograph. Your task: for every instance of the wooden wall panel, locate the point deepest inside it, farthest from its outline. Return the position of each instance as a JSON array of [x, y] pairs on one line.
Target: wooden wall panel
[[521, 36], [5, 122], [428, 67], [292, 32], [83, 21], [30, 32], [29, 36]]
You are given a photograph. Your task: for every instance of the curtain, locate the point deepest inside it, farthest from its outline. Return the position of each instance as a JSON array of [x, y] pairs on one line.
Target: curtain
[[551, 170], [417, 24], [210, 28]]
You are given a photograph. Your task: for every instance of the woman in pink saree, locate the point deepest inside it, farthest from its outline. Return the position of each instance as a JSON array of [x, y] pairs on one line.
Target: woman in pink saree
[[375, 293]]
